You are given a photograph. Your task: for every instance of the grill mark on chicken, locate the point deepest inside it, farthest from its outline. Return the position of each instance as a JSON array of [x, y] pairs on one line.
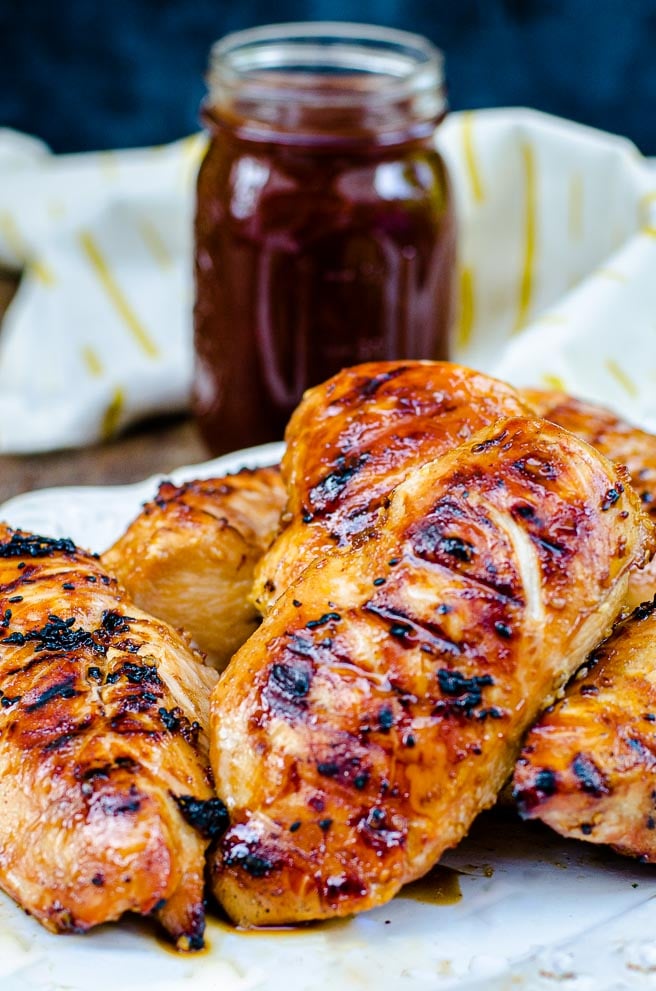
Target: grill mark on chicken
[[62, 690], [366, 387], [287, 686], [61, 741], [341, 794], [622, 443], [76, 712], [596, 747], [419, 411], [411, 632], [450, 535], [590, 777], [324, 495]]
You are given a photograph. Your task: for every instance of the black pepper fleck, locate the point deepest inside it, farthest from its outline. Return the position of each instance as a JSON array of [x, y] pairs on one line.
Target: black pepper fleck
[[328, 768], [503, 630], [611, 497]]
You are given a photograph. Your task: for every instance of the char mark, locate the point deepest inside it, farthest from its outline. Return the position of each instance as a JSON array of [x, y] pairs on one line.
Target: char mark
[[208, 816], [542, 787], [324, 496], [140, 674], [372, 385], [58, 636], [463, 694], [175, 721], [62, 690], [113, 622], [592, 780], [120, 803], [250, 858], [328, 617], [431, 543], [72, 732], [644, 610], [287, 686], [293, 680], [411, 633], [491, 442], [379, 833], [31, 545], [550, 546]]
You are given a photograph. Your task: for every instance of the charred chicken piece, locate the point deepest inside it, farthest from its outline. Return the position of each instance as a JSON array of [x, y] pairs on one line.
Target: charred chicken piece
[[381, 704], [588, 768], [105, 798], [189, 556], [355, 437], [622, 443]]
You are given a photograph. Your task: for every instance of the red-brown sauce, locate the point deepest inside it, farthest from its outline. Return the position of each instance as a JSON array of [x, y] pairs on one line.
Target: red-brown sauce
[[311, 256]]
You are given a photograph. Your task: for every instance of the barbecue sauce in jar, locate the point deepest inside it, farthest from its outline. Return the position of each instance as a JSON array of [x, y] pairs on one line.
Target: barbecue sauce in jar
[[325, 232]]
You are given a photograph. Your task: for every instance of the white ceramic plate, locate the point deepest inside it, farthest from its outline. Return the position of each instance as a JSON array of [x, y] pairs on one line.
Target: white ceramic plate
[[536, 911]]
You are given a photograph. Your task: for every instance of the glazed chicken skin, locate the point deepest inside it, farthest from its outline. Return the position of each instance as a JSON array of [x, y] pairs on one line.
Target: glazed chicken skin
[[189, 556], [621, 442], [105, 798], [356, 436], [381, 704], [588, 768]]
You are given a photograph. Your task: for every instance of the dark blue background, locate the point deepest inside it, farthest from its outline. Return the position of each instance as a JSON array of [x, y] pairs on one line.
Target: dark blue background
[[84, 74]]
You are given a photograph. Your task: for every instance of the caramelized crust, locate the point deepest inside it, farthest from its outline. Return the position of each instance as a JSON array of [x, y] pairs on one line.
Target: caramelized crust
[[190, 554], [102, 748], [588, 768], [355, 437], [622, 443], [381, 704]]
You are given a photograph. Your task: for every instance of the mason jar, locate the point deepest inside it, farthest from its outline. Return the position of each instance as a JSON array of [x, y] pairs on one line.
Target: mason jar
[[325, 232]]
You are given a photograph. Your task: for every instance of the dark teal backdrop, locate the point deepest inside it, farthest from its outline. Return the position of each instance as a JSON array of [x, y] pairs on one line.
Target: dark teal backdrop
[[84, 74]]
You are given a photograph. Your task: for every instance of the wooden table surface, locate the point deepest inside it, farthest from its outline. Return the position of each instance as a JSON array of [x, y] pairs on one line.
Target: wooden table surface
[[157, 446]]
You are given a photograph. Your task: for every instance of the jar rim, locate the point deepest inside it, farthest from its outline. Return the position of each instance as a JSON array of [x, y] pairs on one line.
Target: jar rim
[[308, 61]]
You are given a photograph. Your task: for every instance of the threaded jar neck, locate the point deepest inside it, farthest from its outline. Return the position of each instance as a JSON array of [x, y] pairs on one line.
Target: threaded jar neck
[[322, 81]]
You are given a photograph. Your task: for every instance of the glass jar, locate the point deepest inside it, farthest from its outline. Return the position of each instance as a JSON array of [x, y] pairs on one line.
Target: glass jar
[[325, 233]]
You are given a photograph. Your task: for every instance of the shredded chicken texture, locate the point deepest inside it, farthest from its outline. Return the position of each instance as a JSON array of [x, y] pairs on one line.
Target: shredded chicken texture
[[621, 442], [381, 704], [588, 768], [189, 556], [356, 436], [106, 804]]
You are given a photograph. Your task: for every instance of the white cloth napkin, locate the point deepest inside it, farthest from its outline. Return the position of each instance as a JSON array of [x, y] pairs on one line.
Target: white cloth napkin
[[557, 273]]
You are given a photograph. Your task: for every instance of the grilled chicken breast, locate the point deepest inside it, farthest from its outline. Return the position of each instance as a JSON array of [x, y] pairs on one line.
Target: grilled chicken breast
[[105, 798], [622, 443], [355, 437], [381, 704], [190, 554], [588, 768]]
